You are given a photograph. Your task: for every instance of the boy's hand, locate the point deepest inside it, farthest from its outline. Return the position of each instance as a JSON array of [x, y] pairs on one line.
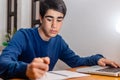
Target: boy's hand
[[104, 62], [37, 68]]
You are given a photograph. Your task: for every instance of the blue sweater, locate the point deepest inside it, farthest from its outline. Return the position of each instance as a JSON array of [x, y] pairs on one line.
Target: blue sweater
[[26, 45]]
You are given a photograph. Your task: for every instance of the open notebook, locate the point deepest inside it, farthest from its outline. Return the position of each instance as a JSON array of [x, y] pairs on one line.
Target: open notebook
[[109, 71], [61, 75]]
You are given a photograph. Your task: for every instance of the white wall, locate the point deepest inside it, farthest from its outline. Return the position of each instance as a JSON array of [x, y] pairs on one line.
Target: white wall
[[3, 18], [94, 26], [90, 28], [24, 13]]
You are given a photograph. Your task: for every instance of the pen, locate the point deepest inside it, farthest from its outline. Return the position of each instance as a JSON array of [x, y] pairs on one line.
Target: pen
[[58, 74]]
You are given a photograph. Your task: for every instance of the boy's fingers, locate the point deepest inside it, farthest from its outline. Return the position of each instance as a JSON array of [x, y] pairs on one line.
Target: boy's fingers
[[46, 60]]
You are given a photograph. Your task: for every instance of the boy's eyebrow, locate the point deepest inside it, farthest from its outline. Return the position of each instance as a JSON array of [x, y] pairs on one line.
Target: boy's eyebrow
[[60, 17], [49, 16], [53, 17]]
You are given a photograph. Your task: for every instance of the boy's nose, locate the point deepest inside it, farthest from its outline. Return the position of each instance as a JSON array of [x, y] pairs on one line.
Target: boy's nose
[[54, 24]]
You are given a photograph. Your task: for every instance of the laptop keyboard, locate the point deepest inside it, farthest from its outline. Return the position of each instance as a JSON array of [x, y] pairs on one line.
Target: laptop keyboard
[[110, 69]]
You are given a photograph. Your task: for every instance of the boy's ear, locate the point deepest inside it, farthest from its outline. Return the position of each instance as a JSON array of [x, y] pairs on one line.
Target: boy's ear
[[40, 19]]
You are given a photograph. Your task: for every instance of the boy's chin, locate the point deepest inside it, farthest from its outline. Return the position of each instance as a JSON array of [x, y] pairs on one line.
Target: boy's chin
[[54, 35]]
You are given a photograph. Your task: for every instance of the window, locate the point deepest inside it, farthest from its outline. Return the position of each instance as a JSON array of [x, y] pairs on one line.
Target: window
[[11, 16], [35, 13]]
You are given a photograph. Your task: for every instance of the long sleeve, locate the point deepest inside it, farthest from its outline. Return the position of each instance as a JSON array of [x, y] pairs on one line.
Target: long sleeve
[[10, 67], [73, 60]]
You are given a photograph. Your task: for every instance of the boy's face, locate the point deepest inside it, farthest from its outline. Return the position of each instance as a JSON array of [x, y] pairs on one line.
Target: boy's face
[[51, 23]]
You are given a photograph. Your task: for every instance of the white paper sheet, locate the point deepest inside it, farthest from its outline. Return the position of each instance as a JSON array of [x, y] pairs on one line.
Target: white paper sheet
[[61, 75]]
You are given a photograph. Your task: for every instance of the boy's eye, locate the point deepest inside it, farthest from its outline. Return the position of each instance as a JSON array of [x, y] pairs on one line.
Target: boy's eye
[[59, 20], [49, 19]]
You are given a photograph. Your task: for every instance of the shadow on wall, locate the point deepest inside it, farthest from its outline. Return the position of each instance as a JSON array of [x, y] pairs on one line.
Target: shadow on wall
[[61, 66]]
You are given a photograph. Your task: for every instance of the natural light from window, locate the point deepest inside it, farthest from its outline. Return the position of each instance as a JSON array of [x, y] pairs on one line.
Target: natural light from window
[[118, 27]]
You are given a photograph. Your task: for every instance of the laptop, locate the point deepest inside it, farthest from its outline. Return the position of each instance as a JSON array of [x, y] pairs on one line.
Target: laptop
[[107, 70]]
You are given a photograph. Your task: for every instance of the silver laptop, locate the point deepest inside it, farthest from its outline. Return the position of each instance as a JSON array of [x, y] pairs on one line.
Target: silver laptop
[[109, 71]]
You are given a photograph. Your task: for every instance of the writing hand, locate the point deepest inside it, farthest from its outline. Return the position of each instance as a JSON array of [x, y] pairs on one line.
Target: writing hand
[[37, 68]]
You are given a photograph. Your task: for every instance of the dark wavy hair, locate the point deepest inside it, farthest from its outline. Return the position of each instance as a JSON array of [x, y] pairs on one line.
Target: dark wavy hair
[[57, 5]]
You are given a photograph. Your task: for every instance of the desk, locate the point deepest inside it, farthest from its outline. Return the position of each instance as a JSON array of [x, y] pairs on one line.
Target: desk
[[91, 77]]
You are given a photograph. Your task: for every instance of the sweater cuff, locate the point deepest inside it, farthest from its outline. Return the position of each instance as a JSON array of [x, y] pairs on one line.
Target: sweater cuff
[[21, 70], [99, 56]]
